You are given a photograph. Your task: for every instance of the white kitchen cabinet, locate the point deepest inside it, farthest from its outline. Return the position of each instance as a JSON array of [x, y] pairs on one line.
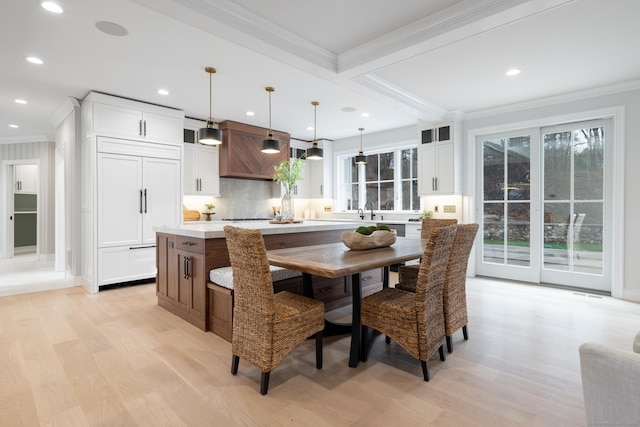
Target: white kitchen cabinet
[[25, 179], [130, 183], [438, 161], [201, 170], [301, 189], [114, 116], [321, 174]]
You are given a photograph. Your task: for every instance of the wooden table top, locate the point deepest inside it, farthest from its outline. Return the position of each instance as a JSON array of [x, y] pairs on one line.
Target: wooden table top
[[336, 260]]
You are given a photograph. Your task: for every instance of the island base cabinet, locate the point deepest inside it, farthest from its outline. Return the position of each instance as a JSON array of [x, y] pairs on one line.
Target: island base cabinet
[[181, 280]]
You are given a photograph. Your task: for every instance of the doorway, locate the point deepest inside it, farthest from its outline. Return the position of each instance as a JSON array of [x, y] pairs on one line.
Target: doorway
[[21, 209], [544, 204]]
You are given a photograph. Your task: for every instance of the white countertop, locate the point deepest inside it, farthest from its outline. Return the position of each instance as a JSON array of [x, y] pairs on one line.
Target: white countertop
[[215, 229]]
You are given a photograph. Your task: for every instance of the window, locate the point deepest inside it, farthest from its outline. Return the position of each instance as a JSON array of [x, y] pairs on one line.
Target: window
[[389, 180]]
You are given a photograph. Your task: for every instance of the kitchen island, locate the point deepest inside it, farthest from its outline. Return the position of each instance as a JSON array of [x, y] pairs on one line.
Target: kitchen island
[[185, 255]]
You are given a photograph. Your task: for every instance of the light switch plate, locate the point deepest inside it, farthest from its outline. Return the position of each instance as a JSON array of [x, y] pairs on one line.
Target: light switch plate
[[449, 208]]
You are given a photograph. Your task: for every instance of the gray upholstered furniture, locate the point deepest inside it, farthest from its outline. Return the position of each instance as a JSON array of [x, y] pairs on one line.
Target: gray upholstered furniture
[[611, 384]]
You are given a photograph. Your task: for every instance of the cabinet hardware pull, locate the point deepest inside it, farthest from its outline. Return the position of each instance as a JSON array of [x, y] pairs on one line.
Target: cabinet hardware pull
[[188, 243], [142, 247], [140, 211], [145, 200], [436, 178], [145, 128], [186, 267], [139, 127]]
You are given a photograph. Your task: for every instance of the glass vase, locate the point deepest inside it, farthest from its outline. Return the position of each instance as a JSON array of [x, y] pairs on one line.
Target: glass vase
[[287, 206]]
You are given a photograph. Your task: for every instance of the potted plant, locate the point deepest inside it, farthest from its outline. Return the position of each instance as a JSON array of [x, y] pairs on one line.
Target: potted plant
[[209, 212], [287, 173]]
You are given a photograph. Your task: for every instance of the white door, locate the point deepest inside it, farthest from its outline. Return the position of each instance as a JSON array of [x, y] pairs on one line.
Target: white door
[[544, 205], [161, 195], [120, 200]]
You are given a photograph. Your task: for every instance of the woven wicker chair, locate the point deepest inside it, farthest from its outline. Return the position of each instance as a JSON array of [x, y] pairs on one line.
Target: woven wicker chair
[[266, 326], [455, 297], [414, 320], [408, 274]]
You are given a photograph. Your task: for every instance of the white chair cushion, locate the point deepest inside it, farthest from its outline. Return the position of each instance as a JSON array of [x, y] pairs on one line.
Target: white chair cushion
[[223, 276]]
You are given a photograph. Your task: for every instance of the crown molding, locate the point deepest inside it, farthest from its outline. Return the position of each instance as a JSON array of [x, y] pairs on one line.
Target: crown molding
[[64, 109], [424, 109], [453, 24], [27, 139], [557, 99]]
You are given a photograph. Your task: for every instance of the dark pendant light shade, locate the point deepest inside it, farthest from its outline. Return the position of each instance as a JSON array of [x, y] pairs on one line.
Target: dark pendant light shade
[[361, 159], [210, 135], [270, 145], [314, 153]]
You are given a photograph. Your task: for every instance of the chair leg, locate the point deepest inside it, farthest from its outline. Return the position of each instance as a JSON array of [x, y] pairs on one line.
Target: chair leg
[[425, 370], [365, 343], [264, 383], [465, 333], [449, 345], [319, 350], [235, 360], [441, 350]]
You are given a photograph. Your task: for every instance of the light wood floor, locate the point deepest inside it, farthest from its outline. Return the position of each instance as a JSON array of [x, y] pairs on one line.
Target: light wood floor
[[68, 358]]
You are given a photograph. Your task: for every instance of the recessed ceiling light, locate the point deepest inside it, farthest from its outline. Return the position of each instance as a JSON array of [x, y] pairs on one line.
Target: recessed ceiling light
[[112, 28], [51, 6], [309, 127], [14, 126], [365, 114], [20, 101], [513, 72], [348, 109], [163, 92], [35, 60], [250, 113]]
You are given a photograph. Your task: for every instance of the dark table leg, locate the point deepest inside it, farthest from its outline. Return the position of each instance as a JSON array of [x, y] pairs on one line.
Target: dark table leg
[[355, 353], [385, 277]]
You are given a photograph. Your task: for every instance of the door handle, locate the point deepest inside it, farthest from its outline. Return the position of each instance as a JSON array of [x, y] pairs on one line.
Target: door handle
[[139, 127], [145, 128], [185, 263], [140, 211], [145, 200]]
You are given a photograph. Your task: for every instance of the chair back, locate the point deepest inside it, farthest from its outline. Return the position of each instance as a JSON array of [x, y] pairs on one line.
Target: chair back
[[429, 224], [459, 258], [253, 304], [429, 289]]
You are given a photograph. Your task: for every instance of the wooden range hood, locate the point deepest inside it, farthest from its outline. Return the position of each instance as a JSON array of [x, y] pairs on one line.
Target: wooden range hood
[[240, 155]]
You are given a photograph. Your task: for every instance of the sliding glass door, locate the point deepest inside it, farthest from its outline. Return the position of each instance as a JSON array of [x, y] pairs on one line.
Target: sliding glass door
[[543, 205]]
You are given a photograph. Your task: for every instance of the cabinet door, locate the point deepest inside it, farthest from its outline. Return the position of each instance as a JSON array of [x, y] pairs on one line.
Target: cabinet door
[[426, 169], [179, 285], [26, 179], [209, 171], [190, 165], [116, 121], [119, 199], [161, 195], [445, 168], [198, 284], [158, 127]]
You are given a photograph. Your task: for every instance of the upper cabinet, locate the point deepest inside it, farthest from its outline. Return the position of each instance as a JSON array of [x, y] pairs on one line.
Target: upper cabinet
[[121, 117], [321, 174], [25, 179], [240, 155], [201, 167], [438, 160]]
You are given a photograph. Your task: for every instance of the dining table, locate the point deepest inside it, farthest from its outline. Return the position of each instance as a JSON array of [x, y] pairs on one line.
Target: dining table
[[335, 260]]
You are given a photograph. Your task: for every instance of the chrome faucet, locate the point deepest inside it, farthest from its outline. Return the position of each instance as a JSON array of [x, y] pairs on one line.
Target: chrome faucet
[[370, 204], [360, 213]]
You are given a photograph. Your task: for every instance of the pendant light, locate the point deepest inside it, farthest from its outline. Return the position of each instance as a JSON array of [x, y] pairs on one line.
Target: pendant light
[[270, 145], [210, 135], [314, 153], [361, 159]]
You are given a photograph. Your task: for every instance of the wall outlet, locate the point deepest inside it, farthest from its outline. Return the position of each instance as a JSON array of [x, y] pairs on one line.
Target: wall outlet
[[435, 208], [449, 208]]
